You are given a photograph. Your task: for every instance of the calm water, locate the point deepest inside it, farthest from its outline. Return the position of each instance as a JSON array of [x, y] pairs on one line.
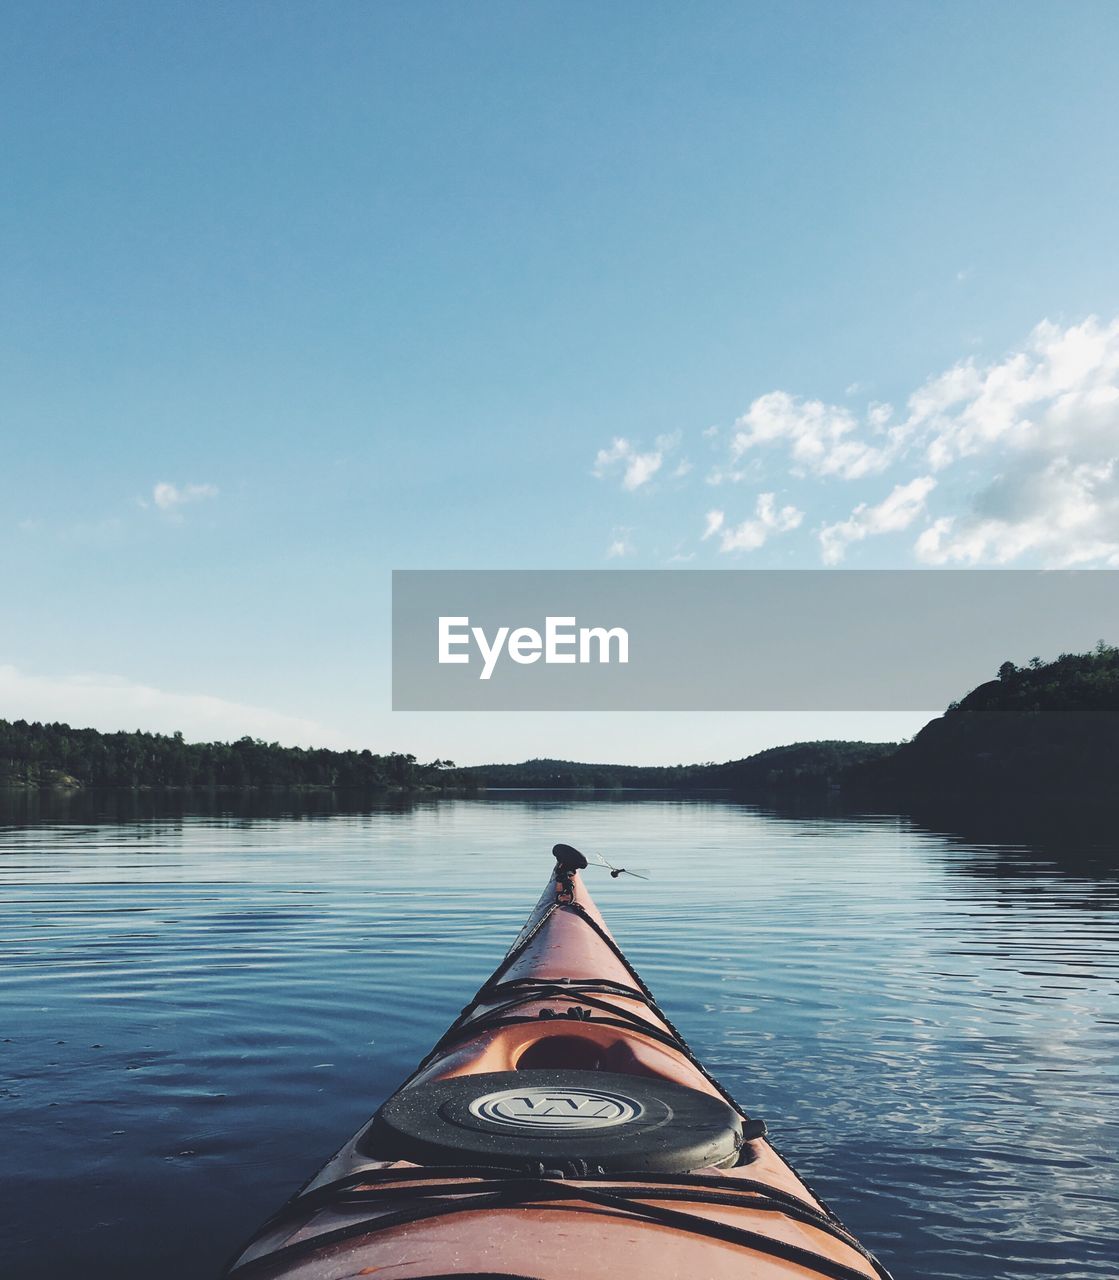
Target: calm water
[[198, 1008]]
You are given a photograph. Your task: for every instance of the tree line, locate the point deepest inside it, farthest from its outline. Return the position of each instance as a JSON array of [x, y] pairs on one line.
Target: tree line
[[1047, 728], [36, 754]]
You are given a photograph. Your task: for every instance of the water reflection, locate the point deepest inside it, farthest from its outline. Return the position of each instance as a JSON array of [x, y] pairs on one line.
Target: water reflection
[[22, 806]]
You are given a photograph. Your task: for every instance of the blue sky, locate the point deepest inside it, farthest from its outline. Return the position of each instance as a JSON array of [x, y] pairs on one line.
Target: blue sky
[[296, 295]]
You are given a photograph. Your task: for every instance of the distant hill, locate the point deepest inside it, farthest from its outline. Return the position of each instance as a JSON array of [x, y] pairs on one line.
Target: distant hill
[[802, 765], [1045, 729], [1048, 729], [546, 773]]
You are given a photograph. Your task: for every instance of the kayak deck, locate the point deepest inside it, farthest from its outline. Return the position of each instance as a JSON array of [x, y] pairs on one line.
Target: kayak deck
[[561, 1123]]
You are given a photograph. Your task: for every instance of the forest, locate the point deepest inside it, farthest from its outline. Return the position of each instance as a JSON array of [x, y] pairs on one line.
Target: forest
[[1045, 729], [53, 754]]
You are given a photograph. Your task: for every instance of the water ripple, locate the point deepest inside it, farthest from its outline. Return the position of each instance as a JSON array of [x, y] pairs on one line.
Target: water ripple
[[199, 1007]]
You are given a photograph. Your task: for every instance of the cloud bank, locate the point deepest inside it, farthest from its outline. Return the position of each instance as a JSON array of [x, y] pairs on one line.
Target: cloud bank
[[1010, 461]]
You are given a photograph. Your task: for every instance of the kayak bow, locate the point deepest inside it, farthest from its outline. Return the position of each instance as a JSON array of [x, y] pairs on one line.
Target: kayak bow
[[561, 1123]]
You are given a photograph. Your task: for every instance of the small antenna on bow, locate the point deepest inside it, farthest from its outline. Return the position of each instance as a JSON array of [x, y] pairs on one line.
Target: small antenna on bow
[[615, 872]]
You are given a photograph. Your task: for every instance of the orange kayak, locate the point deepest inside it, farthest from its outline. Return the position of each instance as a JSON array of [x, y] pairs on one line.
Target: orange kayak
[[560, 1126]]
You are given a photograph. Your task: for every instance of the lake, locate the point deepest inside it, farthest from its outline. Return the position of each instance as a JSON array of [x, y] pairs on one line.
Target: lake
[[202, 998]]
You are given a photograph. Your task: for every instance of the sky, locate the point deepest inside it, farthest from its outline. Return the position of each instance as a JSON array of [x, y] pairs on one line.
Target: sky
[[295, 295]]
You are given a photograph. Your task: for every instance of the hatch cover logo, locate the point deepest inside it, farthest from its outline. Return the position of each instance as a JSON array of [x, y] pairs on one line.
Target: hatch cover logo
[[556, 1109]]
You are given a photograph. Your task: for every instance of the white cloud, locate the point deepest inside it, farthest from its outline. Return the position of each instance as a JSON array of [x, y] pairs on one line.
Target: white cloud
[[110, 703], [715, 521], [621, 545], [894, 513], [1050, 414], [171, 498], [822, 439], [752, 534], [637, 468], [1060, 394], [1064, 513], [1046, 417]]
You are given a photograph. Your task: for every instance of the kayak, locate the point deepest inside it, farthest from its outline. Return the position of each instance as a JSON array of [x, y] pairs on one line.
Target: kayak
[[561, 1125]]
